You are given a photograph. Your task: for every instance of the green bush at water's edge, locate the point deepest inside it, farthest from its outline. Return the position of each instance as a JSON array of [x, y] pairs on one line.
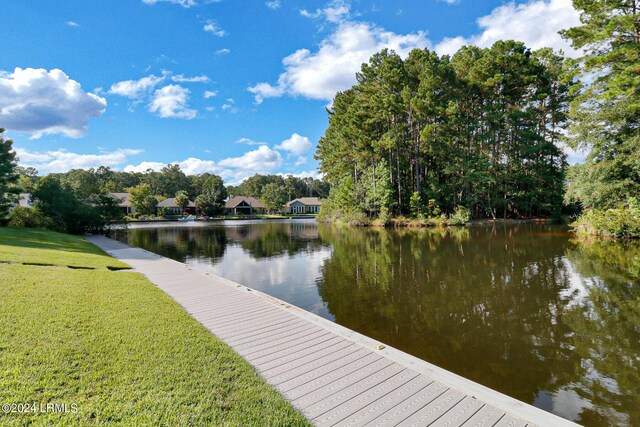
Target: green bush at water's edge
[[619, 223]]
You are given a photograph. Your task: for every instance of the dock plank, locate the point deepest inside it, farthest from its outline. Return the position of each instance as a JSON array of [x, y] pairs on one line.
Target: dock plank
[[435, 409], [360, 401], [337, 367], [408, 407], [279, 377], [487, 416], [370, 361], [324, 391], [459, 413], [281, 352], [315, 408], [509, 421], [375, 409]]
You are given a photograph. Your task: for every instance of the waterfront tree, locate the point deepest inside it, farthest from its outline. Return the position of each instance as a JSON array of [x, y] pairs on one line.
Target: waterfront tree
[[182, 199], [142, 199], [211, 199], [479, 129], [8, 175], [606, 113], [273, 197]]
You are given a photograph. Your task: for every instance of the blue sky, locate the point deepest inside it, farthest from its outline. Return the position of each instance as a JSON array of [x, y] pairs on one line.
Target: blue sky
[[233, 87]]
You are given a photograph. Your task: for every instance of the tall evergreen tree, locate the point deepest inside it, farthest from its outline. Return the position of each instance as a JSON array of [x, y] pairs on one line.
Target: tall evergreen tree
[[8, 175], [478, 129], [606, 113]]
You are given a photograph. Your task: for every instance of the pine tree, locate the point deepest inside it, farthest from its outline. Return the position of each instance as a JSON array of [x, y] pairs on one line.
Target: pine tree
[[606, 113], [8, 175]]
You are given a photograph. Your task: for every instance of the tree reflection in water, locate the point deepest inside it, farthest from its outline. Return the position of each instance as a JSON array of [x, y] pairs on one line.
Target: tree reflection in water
[[524, 309]]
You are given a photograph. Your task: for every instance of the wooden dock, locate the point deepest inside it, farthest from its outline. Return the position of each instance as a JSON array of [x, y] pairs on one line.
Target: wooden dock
[[333, 375]]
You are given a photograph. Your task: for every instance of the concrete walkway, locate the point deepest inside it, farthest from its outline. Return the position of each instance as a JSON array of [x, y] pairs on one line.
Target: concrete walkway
[[332, 374]]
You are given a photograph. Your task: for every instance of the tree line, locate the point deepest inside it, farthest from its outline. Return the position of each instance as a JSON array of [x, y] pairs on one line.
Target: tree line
[[78, 201], [483, 130], [478, 130]]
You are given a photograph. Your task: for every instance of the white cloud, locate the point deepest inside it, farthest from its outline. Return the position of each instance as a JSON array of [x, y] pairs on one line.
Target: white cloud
[[72, 24], [261, 160], [144, 166], [233, 169], [265, 90], [275, 4], [230, 106], [450, 1], [180, 78], [297, 144], [193, 166], [134, 89], [42, 102], [183, 3], [224, 51], [301, 160], [248, 141], [536, 23], [335, 12], [63, 161], [212, 27], [332, 68], [304, 174], [210, 94], [172, 102]]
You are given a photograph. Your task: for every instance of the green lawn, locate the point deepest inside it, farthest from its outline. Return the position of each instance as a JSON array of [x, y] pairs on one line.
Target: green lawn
[[24, 245], [115, 345]]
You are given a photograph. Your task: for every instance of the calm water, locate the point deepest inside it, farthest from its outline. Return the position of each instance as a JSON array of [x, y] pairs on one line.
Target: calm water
[[524, 309]]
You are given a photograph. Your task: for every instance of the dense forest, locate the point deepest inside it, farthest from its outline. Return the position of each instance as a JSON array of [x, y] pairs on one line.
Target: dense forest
[[479, 130], [484, 130]]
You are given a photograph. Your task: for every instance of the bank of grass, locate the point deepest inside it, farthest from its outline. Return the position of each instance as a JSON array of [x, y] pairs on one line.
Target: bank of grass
[[115, 345], [26, 245]]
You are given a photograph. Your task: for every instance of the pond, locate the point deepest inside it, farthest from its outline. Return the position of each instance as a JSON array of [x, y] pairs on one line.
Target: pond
[[526, 309]]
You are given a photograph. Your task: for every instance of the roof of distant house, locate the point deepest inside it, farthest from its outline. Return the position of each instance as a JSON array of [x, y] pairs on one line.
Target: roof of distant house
[[251, 201], [25, 200], [171, 203], [307, 201], [125, 199]]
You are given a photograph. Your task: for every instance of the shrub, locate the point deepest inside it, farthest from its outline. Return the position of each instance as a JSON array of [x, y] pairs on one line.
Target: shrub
[[384, 216], [460, 216], [23, 217], [415, 205], [620, 223], [437, 221], [356, 218]]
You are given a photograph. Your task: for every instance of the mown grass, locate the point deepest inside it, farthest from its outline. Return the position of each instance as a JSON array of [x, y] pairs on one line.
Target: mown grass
[[120, 349], [26, 245]]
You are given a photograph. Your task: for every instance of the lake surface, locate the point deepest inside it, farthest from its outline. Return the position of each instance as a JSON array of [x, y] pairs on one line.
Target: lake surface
[[525, 309]]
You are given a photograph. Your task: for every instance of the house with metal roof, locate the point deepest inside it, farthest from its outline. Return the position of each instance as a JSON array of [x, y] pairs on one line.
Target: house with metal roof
[[243, 205], [303, 205]]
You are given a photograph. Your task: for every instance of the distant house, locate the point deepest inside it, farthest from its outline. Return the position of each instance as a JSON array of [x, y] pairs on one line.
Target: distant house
[[124, 200], [303, 205], [25, 200], [243, 205], [170, 206]]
